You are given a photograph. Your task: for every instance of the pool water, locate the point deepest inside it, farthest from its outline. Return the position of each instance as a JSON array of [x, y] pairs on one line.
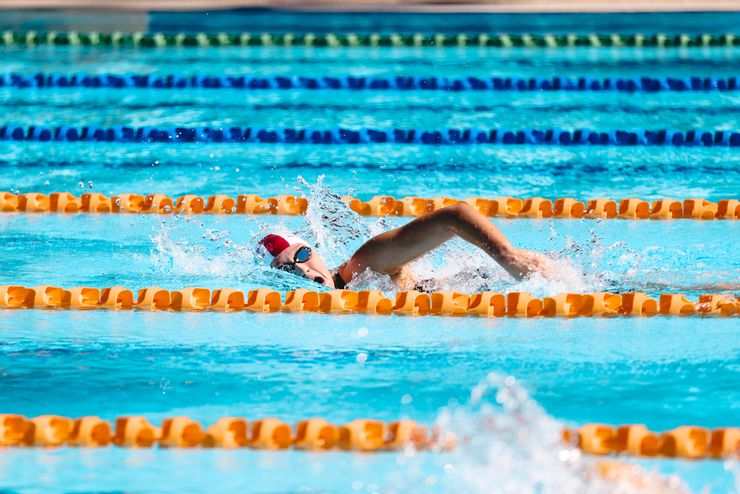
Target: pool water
[[528, 377]]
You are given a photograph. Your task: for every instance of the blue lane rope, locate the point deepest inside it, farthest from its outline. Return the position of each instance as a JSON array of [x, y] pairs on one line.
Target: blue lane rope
[[556, 137], [559, 83]]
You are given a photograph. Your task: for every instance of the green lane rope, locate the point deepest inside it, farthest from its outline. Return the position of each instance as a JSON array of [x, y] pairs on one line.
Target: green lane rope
[[497, 40]]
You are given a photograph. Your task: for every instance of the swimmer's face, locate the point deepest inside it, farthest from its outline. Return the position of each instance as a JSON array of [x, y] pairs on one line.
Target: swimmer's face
[[313, 269]]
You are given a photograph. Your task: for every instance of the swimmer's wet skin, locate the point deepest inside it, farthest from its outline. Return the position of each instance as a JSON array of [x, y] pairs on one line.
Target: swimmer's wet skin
[[390, 252]]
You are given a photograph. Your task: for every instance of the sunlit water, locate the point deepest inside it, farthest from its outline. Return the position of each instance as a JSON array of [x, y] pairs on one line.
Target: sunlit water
[[215, 251], [660, 371], [283, 365], [504, 386]]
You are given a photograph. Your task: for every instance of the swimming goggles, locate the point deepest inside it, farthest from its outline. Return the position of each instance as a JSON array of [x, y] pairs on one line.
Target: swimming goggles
[[303, 254]]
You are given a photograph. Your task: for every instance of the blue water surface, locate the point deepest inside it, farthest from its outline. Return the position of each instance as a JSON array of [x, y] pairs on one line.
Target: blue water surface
[[660, 371]]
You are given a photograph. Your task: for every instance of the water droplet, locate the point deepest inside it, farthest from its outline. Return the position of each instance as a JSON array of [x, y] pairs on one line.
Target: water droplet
[[167, 209], [406, 399], [361, 358], [89, 184], [477, 393], [82, 185]]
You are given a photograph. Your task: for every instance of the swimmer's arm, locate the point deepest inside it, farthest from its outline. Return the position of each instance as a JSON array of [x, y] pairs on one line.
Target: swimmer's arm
[[388, 252]]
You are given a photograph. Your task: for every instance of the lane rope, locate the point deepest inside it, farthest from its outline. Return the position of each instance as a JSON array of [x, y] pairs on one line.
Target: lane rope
[[244, 135], [399, 83], [364, 435], [436, 40], [408, 303], [505, 207]]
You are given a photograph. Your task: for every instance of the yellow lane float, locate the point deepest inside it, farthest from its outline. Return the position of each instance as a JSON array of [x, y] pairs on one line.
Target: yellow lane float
[[506, 207], [404, 303], [362, 435]]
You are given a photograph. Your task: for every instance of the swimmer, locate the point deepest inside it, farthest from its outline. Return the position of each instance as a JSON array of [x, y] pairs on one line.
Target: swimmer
[[391, 252]]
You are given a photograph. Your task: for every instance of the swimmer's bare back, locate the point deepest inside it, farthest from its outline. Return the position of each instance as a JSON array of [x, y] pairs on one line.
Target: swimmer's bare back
[[391, 252]]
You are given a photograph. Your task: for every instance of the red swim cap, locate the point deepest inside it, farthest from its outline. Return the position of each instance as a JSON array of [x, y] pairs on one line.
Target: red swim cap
[[274, 244]]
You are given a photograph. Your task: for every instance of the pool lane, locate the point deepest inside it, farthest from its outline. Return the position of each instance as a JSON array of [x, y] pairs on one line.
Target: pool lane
[[581, 172], [428, 110], [451, 62], [136, 251], [660, 372]]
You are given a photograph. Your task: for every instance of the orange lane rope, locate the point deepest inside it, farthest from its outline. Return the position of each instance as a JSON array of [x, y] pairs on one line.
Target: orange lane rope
[[507, 207], [441, 303], [364, 435]]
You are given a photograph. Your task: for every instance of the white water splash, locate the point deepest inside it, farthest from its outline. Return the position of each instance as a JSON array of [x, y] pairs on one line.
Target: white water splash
[[456, 265], [506, 443], [183, 257], [220, 258], [337, 231], [185, 246], [459, 266], [182, 246]]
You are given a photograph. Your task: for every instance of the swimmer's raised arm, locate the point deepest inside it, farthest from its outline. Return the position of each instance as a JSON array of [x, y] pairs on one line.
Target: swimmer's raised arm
[[389, 252]]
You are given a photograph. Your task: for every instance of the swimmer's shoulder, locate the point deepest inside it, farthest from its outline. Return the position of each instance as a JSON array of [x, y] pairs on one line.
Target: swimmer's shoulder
[[345, 272]]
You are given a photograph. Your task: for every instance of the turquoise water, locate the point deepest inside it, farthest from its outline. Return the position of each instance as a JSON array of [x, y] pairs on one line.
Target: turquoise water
[[136, 251], [393, 169], [663, 372]]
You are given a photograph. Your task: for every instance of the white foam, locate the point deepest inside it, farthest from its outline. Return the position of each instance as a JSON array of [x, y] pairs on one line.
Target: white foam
[[336, 232], [178, 251], [506, 443]]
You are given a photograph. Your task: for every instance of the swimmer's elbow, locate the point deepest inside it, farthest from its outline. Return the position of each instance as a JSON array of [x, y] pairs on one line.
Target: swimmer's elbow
[[463, 208], [459, 211], [452, 217]]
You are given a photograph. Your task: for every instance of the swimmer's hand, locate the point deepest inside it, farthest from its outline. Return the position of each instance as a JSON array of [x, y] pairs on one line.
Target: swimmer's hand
[[520, 263]]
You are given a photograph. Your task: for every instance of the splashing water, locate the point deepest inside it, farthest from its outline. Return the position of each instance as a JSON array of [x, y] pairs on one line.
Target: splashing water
[[506, 443], [336, 229], [214, 256], [330, 223], [182, 257], [336, 232], [459, 266], [339, 230], [617, 267]]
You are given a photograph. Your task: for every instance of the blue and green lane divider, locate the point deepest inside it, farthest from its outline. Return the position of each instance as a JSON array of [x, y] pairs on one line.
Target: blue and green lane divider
[[496, 40]]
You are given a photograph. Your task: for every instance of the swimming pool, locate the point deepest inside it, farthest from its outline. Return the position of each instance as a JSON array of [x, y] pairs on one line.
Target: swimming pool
[[662, 372]]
